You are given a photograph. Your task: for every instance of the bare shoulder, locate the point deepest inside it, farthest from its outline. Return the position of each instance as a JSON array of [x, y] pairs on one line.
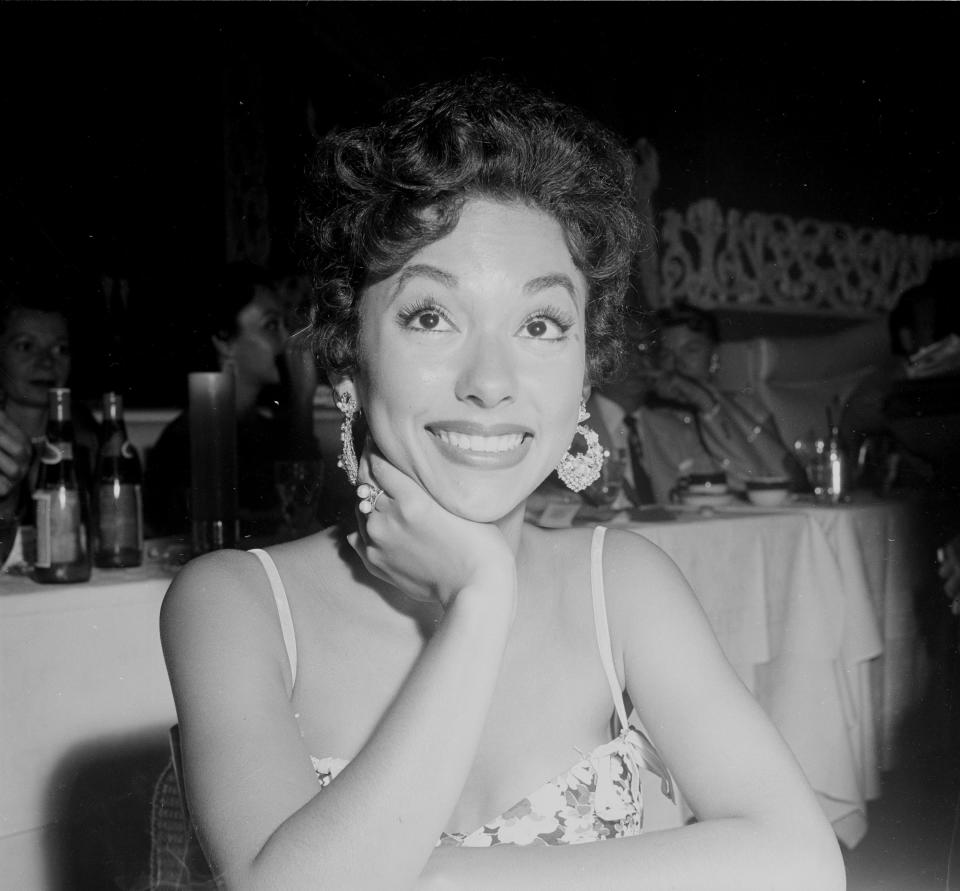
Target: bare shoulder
[[648, 599], [229, 585], [634, 565], [223, 584]]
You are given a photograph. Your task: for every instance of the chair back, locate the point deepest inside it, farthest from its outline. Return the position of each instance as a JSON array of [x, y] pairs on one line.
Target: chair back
[[177, 862]]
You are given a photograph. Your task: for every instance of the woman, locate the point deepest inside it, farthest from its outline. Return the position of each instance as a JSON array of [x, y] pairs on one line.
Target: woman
[[244, 331], [688, 425], [34, 356], [440, 661]]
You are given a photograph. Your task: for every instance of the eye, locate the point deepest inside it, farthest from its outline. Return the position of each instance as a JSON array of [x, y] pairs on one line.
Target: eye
[[425, 316], [546, 324], [23, 346], [61, 351]]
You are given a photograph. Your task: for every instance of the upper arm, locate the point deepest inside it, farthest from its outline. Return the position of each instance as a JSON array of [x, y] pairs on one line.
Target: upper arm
[[726, 756], [246, 769]]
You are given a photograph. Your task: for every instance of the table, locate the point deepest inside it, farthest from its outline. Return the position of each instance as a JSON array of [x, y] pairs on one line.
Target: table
[[82, 686], [813, 606]]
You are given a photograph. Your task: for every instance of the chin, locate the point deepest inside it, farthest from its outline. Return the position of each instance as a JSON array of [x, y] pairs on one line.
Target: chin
[[485, 500]]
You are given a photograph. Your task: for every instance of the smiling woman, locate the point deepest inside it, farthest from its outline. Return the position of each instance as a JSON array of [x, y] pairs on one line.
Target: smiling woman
[[34, 356], [364, 707]]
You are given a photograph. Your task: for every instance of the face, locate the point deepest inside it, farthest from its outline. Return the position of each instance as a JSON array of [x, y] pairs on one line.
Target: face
[[260, 338], [34, 356], [473, 359], [685, 351]]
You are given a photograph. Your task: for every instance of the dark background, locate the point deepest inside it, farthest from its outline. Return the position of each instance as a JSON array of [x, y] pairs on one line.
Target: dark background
[[113, 123]]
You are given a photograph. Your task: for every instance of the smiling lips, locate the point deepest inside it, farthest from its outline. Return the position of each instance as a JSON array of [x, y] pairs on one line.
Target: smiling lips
[[501, 446]]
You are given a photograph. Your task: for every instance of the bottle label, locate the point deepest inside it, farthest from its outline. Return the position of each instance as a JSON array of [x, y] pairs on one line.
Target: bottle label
[[55, 452], [61, 535], [119, 516]]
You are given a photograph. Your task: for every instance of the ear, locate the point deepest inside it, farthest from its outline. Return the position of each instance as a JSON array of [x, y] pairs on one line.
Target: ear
[[586, 389]]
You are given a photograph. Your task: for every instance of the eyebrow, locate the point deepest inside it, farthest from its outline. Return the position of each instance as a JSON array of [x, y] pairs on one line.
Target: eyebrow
[[424, 270], [534, 286], [553, 280]]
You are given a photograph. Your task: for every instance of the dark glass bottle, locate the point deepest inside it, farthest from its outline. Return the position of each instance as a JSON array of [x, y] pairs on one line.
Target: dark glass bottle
[[60, 503], [117, 496]]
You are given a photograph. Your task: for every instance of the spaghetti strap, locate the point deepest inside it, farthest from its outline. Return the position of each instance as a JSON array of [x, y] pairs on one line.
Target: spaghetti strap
[[283, 609], [600, 623]]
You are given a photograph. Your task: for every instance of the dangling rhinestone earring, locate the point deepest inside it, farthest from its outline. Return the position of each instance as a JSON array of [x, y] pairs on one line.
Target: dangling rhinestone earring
[[578, 471], [348, 457]]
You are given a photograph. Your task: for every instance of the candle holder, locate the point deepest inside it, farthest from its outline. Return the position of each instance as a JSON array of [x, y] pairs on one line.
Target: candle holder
[[213, 461]]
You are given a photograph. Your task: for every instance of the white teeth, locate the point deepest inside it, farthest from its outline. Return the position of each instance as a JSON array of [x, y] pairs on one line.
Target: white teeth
[[481, 443]]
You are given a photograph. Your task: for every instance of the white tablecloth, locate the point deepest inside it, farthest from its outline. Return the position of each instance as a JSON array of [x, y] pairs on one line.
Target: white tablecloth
[[814, 608], [81, 670]]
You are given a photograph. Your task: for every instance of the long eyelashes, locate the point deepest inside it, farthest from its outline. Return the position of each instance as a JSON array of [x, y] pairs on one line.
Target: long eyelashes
[[423, 307], [562, 320], [550, 323]]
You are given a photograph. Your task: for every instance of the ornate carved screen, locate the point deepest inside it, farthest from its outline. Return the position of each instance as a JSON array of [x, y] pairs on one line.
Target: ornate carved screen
[[773, 262]]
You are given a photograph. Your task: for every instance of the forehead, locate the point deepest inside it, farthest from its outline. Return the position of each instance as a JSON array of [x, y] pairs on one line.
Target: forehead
[[36, 323], [507, 239], [264, 303]]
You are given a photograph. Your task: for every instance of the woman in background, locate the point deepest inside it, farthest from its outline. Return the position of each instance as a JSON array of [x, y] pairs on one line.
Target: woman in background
[[244, 330], [34, 356], [385, 706]]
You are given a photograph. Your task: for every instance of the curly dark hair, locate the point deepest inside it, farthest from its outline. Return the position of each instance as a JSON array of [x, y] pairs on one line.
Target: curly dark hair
[[365, 212]]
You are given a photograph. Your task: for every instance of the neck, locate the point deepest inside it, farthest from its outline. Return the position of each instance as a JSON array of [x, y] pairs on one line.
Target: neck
[[511, 526]]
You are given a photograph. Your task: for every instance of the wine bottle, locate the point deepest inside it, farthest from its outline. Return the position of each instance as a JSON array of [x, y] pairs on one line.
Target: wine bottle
[[837, 464], [61, 504], [118, 504]]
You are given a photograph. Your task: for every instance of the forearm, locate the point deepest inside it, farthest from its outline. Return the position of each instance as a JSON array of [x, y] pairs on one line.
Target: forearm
[[376, 825], [720, 855]]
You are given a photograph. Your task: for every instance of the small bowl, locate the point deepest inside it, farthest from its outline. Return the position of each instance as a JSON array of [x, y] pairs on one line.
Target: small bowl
[[768, 492], [705, 483]]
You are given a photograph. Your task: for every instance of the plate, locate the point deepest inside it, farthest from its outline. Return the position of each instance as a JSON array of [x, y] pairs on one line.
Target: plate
[[691, 499]]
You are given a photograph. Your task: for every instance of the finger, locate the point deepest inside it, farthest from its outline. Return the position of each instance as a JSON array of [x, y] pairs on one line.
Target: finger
[[12, 469], [16, 457], [13, 440], [369, 491], [394, 482], [364, 552]]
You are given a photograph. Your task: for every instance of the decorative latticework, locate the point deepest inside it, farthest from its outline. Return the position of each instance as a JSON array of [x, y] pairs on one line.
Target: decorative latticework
[[771, 261]]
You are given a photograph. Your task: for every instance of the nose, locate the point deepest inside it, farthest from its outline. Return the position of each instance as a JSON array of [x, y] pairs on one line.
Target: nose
[[47, 358], [488, 377]]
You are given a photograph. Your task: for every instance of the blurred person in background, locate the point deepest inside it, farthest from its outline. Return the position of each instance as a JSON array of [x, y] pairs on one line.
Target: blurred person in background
[[244, 329], [891, 450], [688, 425], [34, 356]]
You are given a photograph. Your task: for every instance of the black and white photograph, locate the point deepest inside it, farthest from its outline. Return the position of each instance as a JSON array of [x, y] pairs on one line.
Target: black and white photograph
[[464, 446]]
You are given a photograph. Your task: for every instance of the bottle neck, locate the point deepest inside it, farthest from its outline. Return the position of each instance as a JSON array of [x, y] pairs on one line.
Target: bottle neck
[[113, 408]]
